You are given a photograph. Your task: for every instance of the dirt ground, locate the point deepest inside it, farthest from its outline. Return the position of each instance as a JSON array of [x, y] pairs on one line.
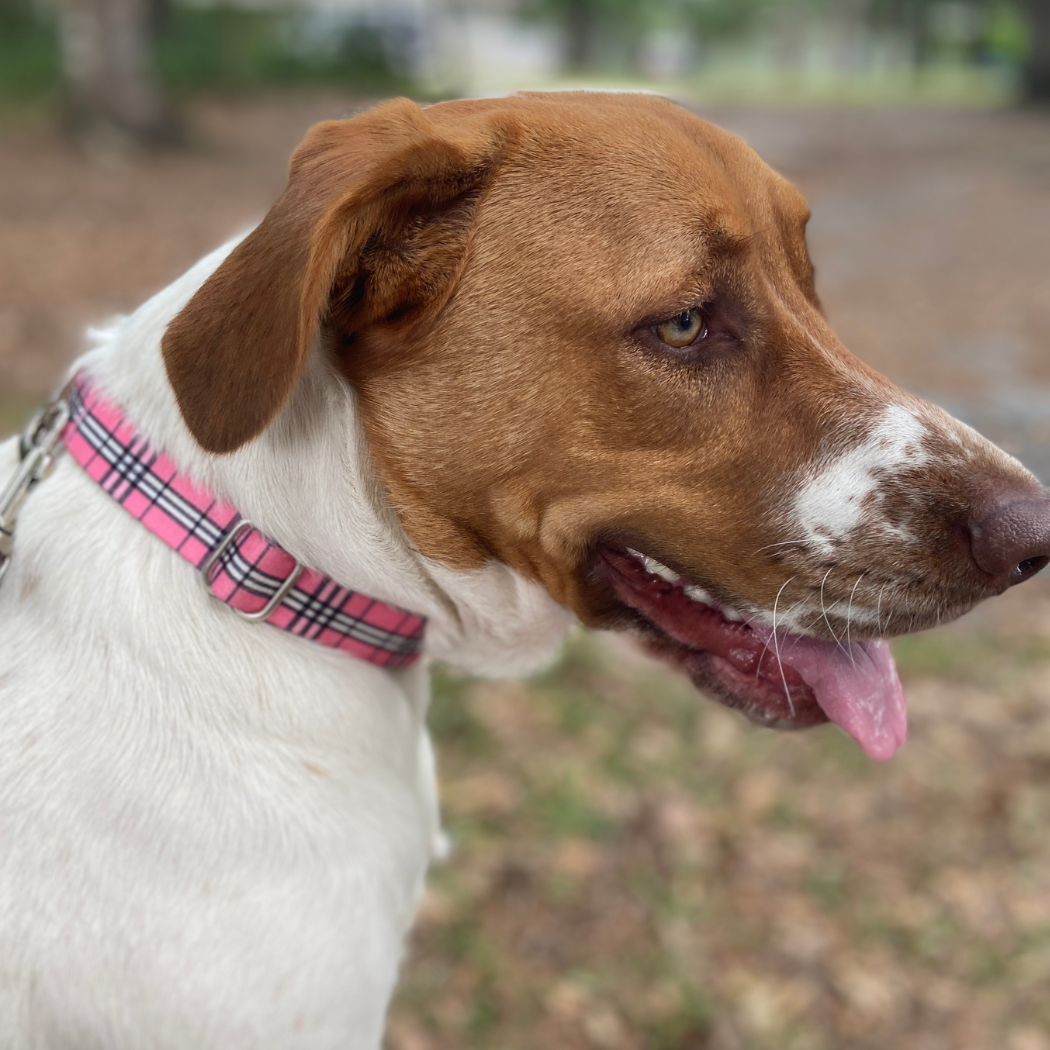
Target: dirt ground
[[636, 868]]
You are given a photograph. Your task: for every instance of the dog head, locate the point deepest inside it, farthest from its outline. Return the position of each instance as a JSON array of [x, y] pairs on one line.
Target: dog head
[[585, 340]]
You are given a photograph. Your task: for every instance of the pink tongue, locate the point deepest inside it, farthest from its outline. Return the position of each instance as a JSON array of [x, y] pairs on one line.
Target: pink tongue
[[856, 685]]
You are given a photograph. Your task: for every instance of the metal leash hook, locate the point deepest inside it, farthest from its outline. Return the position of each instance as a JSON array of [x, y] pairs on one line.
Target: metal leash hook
[[38, 459]]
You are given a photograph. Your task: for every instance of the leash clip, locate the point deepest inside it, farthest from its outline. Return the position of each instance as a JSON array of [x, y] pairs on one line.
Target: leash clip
[[37, 447]]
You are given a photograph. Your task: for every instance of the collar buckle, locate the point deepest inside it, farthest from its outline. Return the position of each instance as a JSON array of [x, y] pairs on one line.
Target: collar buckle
[[240, 526]]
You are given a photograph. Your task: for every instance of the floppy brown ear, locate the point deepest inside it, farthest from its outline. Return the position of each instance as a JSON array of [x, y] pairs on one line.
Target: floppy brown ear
[[373, 224]]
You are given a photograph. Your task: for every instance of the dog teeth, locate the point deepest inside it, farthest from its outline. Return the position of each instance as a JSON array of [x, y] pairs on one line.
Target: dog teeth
[[655, 568], [691, 590]]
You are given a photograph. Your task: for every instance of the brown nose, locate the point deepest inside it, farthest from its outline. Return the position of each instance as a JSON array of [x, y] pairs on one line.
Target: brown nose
[[1013, 541]]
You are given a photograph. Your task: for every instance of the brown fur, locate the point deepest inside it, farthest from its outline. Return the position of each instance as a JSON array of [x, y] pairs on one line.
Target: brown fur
[[354, 213], [488, 274]]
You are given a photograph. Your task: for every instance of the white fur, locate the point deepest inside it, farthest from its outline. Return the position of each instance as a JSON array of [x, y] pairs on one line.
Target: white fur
[[213, 834], [830, 503]]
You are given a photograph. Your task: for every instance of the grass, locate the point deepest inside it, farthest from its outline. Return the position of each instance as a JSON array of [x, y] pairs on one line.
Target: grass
[[636, 867], [991, 658]]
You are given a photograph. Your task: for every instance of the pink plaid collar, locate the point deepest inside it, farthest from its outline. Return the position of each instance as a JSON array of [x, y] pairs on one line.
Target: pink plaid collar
[[239, 564]]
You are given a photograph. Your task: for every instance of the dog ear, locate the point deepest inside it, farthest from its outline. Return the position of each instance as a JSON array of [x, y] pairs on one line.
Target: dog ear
[[373, 225]]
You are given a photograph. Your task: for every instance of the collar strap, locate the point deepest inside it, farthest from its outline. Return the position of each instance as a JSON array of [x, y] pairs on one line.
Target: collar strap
[[239, 564]]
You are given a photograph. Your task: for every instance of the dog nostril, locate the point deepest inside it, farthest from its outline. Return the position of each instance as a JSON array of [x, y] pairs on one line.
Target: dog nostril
[[1030, 566]]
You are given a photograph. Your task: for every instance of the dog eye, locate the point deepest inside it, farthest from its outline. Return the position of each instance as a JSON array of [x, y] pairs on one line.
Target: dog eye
[[682, 330]]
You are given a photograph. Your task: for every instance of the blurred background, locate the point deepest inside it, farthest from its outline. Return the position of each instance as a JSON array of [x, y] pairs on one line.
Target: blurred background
[[635, 867]]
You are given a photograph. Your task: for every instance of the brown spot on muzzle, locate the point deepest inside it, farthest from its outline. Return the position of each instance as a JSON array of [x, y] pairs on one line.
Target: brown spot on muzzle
[[940, 520]]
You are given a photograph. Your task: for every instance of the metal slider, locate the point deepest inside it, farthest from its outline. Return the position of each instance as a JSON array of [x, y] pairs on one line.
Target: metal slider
[[225, 544]]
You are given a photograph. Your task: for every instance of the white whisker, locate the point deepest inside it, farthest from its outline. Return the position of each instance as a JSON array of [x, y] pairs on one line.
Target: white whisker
[[849, 613], [776, 646], [878, 609], [765, 647], [782, 543], [824, 611]]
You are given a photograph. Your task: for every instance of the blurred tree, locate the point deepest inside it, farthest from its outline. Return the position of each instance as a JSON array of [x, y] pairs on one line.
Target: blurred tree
[[1037, 68], [28, 53], [113, 97], [591, 25], [914, 16], [911, 18], [722, 19]]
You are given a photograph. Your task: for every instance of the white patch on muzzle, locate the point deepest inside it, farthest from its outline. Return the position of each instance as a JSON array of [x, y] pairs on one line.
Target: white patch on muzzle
[[829, 503]]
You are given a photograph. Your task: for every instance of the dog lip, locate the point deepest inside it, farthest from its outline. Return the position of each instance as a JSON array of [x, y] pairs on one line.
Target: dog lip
[[759, 699], [784, 702], [770, 676]]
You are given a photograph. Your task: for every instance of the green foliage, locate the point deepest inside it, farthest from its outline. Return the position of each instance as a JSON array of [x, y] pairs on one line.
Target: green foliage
[[1000, 32], [28, 52], [723, 19], [599, 10], [236, 48], [597, 32], [199, 48], [1007, 36], [601, 32], [214, 46]]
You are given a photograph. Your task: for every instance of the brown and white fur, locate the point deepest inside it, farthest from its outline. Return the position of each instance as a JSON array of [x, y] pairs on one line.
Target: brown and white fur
[[431, 373]]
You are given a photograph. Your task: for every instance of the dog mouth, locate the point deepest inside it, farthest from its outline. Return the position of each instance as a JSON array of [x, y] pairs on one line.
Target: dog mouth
[[781, 679]]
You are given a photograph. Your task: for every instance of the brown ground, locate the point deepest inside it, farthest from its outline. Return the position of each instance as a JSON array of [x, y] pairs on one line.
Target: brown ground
[[637, 868]]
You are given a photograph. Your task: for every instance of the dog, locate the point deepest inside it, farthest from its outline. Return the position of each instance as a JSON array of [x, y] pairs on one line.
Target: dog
[[489, 368]]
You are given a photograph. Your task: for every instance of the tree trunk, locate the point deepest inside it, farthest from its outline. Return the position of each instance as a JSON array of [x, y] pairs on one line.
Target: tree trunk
[[921, 37], [579, 33], [1037, 71], [112, 95]]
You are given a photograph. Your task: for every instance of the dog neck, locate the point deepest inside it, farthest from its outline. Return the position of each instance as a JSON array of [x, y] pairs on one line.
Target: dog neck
[[309, 482]]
